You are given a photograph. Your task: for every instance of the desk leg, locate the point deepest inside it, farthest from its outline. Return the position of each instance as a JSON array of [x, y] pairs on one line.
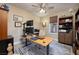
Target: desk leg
[[47, 49], [26, 42]]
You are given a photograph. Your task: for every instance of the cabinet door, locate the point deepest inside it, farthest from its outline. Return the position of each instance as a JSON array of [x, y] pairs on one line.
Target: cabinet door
[[3, 26], [53, 19], [0, 26], [61, 37], [68, 38]]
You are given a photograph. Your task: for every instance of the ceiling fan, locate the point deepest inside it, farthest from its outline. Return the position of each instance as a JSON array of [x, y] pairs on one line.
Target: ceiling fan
[[43, 7]]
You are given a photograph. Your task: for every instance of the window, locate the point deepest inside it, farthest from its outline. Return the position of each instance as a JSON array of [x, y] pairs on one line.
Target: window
[[53, 28]]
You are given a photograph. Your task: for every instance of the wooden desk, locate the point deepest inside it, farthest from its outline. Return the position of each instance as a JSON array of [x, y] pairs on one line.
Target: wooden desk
[[43, 42]]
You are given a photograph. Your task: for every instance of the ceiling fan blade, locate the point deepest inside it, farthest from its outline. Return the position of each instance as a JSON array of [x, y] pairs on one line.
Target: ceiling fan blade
[[34, 6], [43, 5], [50, 7], [40, 5]]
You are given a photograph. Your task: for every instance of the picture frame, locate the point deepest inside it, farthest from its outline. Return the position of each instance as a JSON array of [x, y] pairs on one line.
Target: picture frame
[[17, 18], [18, 24]]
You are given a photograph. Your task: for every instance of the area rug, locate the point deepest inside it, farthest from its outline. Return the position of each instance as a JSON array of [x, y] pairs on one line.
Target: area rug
[[55, 49]]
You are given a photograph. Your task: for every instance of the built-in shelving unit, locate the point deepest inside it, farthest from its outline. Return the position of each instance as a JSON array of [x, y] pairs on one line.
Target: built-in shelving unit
[[76, 45], [28, 27], [77, 25], [65, 30]]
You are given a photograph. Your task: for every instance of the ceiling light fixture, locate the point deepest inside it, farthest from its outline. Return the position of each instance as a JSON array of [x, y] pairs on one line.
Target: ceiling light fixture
[[42, 11]]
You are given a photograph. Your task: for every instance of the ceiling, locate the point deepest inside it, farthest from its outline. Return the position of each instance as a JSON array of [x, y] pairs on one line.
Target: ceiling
[[58, 7]]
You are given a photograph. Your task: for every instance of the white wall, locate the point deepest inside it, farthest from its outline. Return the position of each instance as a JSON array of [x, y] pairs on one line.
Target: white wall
[[53, 35], [59, 14], [16, 32]]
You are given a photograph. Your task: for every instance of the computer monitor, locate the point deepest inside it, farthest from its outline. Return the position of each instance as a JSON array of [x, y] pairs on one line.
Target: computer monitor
[[29, 23], [30, 30]]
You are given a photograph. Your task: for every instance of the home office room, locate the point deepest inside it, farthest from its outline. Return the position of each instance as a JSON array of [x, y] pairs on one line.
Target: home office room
[[39, 28]]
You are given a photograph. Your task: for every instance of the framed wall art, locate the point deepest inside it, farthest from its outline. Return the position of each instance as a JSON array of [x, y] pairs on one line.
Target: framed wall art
[[17, 18], [18, 24]]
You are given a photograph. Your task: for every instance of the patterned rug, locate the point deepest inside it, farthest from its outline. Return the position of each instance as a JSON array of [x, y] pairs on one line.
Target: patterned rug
[[55, 49]]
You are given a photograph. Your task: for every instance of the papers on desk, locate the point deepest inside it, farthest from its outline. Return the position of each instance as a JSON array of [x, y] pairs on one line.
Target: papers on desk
[[34, 38]]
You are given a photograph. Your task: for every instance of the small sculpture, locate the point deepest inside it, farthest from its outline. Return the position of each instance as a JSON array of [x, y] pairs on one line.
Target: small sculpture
[[9, 49]]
